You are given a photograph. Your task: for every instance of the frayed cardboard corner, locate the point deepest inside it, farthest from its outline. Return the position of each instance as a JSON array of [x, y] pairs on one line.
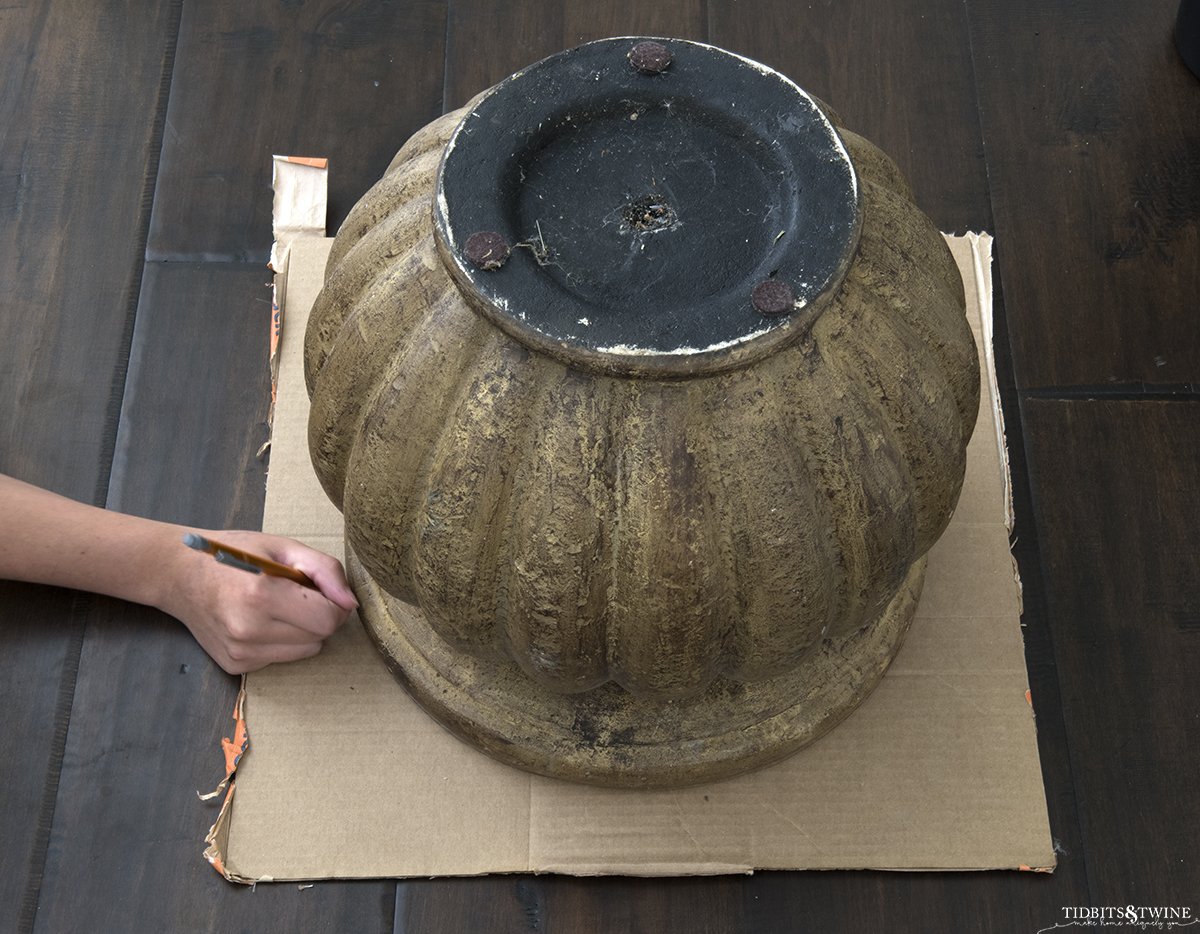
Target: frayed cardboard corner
[[234, 750]]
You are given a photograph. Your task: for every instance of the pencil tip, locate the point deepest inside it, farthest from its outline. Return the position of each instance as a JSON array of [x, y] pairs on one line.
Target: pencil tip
[[192, 540]]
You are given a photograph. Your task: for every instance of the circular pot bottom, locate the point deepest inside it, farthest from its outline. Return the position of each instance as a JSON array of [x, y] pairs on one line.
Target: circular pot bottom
[[608, 737]]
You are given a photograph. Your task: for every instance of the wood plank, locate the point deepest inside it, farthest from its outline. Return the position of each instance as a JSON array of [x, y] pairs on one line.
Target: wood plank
[[488, 40], [897, 73], [1087, 126], [563, 905], [1117, 495], [41, 629], [79, 96], [1093, 149], [149, 707], [350, 81], [81, 102]]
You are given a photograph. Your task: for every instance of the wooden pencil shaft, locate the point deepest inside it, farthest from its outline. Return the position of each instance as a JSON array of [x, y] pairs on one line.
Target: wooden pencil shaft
[[256, 562]]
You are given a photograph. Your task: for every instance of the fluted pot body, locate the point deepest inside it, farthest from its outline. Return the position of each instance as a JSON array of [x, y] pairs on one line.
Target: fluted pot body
[[635, 500]]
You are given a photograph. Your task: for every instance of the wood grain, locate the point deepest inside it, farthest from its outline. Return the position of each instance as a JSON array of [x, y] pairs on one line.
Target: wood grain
[[488, 40], [561, 905], [898, 74], [1092, 131], [149, 706], [81, 98], [1091, 151], [41, 629], [1117, 495], [349, 81]]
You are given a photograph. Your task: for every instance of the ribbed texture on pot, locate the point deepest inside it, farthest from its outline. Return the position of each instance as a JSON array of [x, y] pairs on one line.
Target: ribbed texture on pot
[[655, 533]]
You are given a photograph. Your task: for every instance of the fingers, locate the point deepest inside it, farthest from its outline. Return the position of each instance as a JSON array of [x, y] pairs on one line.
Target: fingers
[[248, 621], [326, 572], [287, 604]]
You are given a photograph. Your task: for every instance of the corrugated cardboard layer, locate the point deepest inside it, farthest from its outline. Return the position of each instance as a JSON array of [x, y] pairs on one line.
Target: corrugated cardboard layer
[[347, 777]]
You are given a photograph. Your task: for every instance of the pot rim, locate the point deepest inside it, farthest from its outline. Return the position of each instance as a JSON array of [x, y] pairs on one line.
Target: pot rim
[[527, 299]]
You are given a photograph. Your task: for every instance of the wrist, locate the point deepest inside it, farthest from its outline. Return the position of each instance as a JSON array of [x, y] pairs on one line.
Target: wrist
[[162, 563]]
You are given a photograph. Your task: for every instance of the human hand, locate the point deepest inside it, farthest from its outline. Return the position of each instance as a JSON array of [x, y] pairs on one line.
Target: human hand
[[247, 621]]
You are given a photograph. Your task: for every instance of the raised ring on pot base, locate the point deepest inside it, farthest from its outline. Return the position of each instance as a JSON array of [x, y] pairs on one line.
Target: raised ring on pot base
[[606, 736], [643, 209]]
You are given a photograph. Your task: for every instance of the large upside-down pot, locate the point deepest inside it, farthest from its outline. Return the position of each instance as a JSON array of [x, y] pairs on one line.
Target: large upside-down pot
[[644, 389]]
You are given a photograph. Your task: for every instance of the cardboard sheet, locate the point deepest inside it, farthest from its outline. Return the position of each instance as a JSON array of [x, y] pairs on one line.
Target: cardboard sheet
[[938, 769]]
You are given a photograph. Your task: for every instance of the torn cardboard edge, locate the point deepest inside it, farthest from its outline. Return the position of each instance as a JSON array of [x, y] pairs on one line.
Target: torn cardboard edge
[[981, 257], [299, 209], [218, 839], [301, 185], [233, 748]]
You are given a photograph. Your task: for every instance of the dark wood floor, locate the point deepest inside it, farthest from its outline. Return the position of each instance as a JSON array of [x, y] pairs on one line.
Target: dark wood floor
[[135, 143]]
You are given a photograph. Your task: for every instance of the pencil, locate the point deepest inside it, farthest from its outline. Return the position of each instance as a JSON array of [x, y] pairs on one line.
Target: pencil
[[245, 560]]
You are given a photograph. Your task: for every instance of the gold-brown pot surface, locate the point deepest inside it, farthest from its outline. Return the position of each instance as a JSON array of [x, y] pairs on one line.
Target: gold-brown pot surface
[[597, 436], [608, 737]]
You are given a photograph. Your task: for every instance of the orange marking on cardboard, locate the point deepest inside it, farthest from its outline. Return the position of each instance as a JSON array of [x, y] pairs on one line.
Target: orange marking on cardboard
[[234, 748], [276, 322], [306, 160]]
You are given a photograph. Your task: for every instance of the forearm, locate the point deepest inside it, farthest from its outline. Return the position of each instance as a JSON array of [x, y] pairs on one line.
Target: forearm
[[244, 621], [49, 539]]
